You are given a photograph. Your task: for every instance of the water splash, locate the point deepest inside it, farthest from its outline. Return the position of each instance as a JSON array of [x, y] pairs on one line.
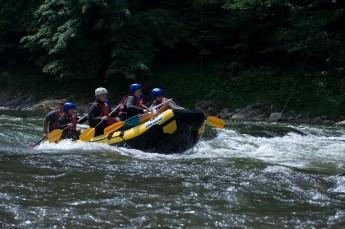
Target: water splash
[[301, 146]]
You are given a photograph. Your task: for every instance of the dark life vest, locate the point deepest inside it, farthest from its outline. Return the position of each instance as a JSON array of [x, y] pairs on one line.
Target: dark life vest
[[105, 110], [123, 111]]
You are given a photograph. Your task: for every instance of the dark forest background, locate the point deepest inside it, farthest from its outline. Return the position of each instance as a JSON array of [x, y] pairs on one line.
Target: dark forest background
[[289, 54]]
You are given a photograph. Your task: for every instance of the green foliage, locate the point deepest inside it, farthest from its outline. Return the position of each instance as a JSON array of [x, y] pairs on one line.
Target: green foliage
[[15, 18], [92, 38], [134, 45], [251, 46], [64, 40]]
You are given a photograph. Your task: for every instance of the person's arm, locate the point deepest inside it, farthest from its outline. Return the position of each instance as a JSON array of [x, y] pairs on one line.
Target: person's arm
[[130, 104], [45, 127], [46, 121], [173, 105]]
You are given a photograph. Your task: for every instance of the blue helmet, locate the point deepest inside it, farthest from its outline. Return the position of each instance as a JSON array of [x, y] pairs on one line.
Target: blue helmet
[[135, 86], [69, 106], [156, 92]]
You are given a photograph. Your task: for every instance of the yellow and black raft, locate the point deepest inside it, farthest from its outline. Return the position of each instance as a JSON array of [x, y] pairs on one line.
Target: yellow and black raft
[[173, 131]]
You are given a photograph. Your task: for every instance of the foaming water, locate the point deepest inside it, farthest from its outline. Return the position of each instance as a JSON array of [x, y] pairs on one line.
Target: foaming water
[[68, 145], [292, 149], [248, 175], [300, 149]]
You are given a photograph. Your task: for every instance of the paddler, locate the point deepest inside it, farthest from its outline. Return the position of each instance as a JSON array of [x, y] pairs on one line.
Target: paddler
[[99, 110], [157, 95], [132, 109], [68, 122], [49, 123]]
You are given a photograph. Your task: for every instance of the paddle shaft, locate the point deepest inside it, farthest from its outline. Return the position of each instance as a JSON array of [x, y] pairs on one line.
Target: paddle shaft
[[82, 119], [167, 101], [38, 142], [148, 109]]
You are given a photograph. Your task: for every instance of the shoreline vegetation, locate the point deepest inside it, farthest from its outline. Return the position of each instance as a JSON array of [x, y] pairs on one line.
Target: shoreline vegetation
[[254, 111], [254, 60]]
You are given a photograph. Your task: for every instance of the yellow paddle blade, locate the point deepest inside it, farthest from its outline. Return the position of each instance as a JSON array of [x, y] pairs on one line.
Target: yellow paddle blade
[[215, 121], [55, 135], [87, 134], [112, 128]]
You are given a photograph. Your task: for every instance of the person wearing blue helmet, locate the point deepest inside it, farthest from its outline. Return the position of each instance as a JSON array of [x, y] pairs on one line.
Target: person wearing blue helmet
[[132, 104], [68, 122], [157, 95]]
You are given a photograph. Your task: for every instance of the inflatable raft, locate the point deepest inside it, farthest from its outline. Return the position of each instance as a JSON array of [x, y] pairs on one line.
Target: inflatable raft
[[173, 131]]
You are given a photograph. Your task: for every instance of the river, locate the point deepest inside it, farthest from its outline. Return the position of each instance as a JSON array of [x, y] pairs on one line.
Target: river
[[248, 175]]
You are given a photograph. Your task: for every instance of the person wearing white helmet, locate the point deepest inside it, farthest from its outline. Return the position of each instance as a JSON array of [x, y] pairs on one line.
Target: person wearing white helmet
[[100, 92], [99, 111]]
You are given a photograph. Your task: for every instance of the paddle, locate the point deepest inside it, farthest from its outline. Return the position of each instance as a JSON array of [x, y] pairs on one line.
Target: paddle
[[215, 122], [114, 127], [55, 135], [88, 133]]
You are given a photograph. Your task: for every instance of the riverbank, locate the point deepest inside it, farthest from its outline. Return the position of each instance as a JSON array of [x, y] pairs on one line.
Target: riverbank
[[257, 94], [254, 112]]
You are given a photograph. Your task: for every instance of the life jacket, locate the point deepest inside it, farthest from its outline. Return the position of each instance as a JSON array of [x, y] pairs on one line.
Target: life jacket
[[74, 122], [71, 119], [123, 109], [105, 110], [70, 131]]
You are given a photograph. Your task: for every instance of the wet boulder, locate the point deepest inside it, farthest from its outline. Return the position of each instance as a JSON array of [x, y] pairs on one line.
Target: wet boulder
[[275, 117], [46, 105], [341, 123], [206, 106], [251, 112], [224, 114]]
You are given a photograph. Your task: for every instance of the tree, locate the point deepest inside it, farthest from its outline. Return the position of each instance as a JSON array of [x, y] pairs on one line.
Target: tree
[[15, 21]]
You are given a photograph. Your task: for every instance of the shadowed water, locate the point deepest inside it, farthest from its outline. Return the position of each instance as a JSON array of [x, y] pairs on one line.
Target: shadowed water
[[250, 175]]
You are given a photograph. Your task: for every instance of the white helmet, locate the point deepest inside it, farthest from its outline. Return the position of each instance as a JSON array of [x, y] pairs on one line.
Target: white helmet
[[100, 91]]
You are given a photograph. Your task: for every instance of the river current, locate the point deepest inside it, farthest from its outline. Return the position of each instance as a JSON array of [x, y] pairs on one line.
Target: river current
[[248, 175]]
